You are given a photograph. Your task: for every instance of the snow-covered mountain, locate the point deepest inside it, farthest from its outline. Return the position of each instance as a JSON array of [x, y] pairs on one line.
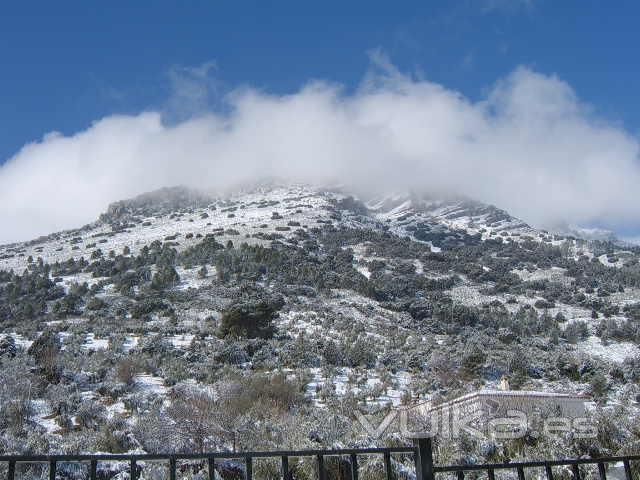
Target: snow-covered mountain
[[180, 210], [357, 301]]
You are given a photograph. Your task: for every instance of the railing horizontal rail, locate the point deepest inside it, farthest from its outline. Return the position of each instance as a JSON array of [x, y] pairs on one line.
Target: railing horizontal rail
[[422, 453], [535, 464], [196, 456]]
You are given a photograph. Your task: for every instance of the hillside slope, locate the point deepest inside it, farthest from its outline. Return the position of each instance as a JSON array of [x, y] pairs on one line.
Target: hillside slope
[[314, 301]]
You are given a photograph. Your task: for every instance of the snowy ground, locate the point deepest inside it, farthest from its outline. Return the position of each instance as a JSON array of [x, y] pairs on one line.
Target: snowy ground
[[190, 278], [401, 212], [613, 352], [43, 416], [19, 340], [346, 308], [554, 274], [247, 214], [150, 384], [366, 384]]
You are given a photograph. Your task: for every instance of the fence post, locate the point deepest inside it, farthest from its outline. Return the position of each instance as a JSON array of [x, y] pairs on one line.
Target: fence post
[[424, 458], [93, 469]]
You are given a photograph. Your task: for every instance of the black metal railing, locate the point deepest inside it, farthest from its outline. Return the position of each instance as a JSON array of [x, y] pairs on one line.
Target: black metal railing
[[171, 460], [426, 470], [421, 451]]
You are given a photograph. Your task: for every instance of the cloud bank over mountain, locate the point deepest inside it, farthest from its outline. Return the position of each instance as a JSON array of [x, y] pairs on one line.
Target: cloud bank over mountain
[[529, 146]]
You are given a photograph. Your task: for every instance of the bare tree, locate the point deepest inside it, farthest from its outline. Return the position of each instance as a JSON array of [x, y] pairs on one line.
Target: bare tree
[[15, 391], [194, 415]]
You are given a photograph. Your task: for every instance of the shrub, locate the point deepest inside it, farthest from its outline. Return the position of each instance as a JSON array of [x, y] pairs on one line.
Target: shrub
[[113, 437], [126, 371], [45, 350], [165, 277], [90, 415], [253, 319], [473, 357], [203, 272], [576, 331], [95, 303]]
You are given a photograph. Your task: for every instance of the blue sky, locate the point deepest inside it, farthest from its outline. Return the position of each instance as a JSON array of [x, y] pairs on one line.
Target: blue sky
[[89, 70], [65, 64]]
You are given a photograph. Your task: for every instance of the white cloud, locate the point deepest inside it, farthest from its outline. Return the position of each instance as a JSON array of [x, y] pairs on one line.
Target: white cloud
[[530, 147], [192, 90]]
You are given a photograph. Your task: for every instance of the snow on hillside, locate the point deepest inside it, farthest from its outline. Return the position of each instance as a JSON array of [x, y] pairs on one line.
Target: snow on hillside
[[615, 352], [368, 327], [404, 214], [237, 218]]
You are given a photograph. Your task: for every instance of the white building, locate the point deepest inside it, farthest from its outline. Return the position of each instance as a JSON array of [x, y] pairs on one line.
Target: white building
[[495, 403], [480, 408]]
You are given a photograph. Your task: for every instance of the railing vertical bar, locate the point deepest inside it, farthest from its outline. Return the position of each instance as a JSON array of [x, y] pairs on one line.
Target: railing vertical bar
[[172, 468], [549, 471], [602, 471], [321, 472], [354, 466], [212, 467], [424, 459], [627, 469], [93, 469], [387, 465], [576, 471], [285, 467], [422, 451], [52, 470], [249, 468], [133, 466]]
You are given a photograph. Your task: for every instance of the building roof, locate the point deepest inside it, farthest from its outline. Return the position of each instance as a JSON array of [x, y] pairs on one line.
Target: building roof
[[529, 393], [523, 394]]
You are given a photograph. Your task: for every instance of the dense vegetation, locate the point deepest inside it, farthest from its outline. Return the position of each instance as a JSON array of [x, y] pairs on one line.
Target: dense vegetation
[[265, 375]]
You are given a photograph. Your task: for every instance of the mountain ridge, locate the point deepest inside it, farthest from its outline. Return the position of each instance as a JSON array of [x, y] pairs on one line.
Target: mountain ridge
[[318, 299]]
